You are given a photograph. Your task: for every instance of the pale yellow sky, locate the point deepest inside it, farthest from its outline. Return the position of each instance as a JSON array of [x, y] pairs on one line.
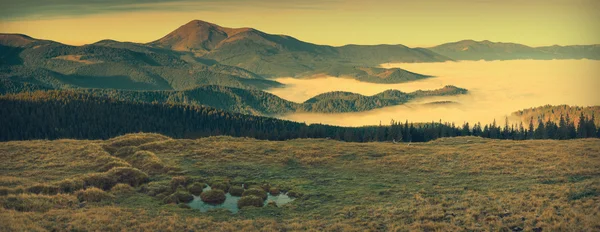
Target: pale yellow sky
[[333, 22]]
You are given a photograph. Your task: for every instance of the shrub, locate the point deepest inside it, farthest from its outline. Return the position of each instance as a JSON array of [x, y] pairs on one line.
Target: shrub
[[156, 187], [215, 196], [250, 200], [177, 181], [92, 195], [236, 191], [255, 192], [70, 185], [43, 189], [220, 186], [121, 189], [274, 191], [196, 188], [131, 176], [179, 196], [183, 196], [293, 193]]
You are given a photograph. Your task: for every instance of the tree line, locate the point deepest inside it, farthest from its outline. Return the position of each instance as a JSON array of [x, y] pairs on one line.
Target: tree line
[[72, 114]]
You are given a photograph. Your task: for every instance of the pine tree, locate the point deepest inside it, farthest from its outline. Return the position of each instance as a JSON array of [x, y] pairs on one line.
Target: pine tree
[[522, 132], [466, 131], [563, 130], [591, 128], [506, 129], [540, 131], [530, 132], [582, 127], [551, 130], [571, 131]]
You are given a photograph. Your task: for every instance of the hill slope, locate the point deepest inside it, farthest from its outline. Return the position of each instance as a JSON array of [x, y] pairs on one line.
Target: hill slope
[[116, 65]]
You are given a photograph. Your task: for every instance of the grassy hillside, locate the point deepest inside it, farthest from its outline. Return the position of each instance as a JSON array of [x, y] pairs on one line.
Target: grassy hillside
[[463, 183]]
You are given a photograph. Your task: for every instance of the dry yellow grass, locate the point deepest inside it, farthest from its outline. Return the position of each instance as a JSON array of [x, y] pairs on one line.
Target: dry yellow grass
[[449, 184]]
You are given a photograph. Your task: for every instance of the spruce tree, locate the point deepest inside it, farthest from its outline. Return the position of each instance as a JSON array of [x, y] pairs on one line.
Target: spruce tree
[[571, 131], [582, 127], [540, 131], [563, 130], [591, 127], [530, 132]]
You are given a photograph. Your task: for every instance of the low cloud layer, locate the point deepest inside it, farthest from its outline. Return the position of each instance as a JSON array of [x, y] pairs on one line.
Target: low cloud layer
[[497, 88]]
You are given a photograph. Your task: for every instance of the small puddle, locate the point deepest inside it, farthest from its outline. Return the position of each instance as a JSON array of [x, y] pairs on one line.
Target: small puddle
[[231, 202]]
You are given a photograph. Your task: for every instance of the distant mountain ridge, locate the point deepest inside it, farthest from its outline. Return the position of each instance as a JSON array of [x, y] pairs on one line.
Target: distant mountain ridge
[[487, 50], [280, 55]]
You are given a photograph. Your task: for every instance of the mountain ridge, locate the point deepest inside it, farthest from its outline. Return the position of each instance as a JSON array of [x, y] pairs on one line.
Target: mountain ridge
[[488, 50]]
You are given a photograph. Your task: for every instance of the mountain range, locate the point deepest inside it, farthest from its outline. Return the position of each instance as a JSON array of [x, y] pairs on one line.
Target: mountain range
[[487, 50], [206, 64], [201, 53]]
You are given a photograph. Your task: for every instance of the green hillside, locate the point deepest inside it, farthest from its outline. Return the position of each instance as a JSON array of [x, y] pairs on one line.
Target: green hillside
[[115, 65]]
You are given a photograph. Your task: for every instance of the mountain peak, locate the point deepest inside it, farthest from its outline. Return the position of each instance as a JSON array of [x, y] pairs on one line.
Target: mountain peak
[[16, 40], [197, 36]]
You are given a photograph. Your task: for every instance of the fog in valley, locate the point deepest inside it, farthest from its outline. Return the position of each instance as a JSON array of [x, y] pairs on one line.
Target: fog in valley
[[496, 88]]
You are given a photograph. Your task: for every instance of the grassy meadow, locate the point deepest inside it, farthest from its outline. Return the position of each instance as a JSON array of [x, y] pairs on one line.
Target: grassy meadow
[[135, 182]]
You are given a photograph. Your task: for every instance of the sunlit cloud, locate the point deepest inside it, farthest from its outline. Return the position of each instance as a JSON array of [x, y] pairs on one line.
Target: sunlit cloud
[[496, 89]]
